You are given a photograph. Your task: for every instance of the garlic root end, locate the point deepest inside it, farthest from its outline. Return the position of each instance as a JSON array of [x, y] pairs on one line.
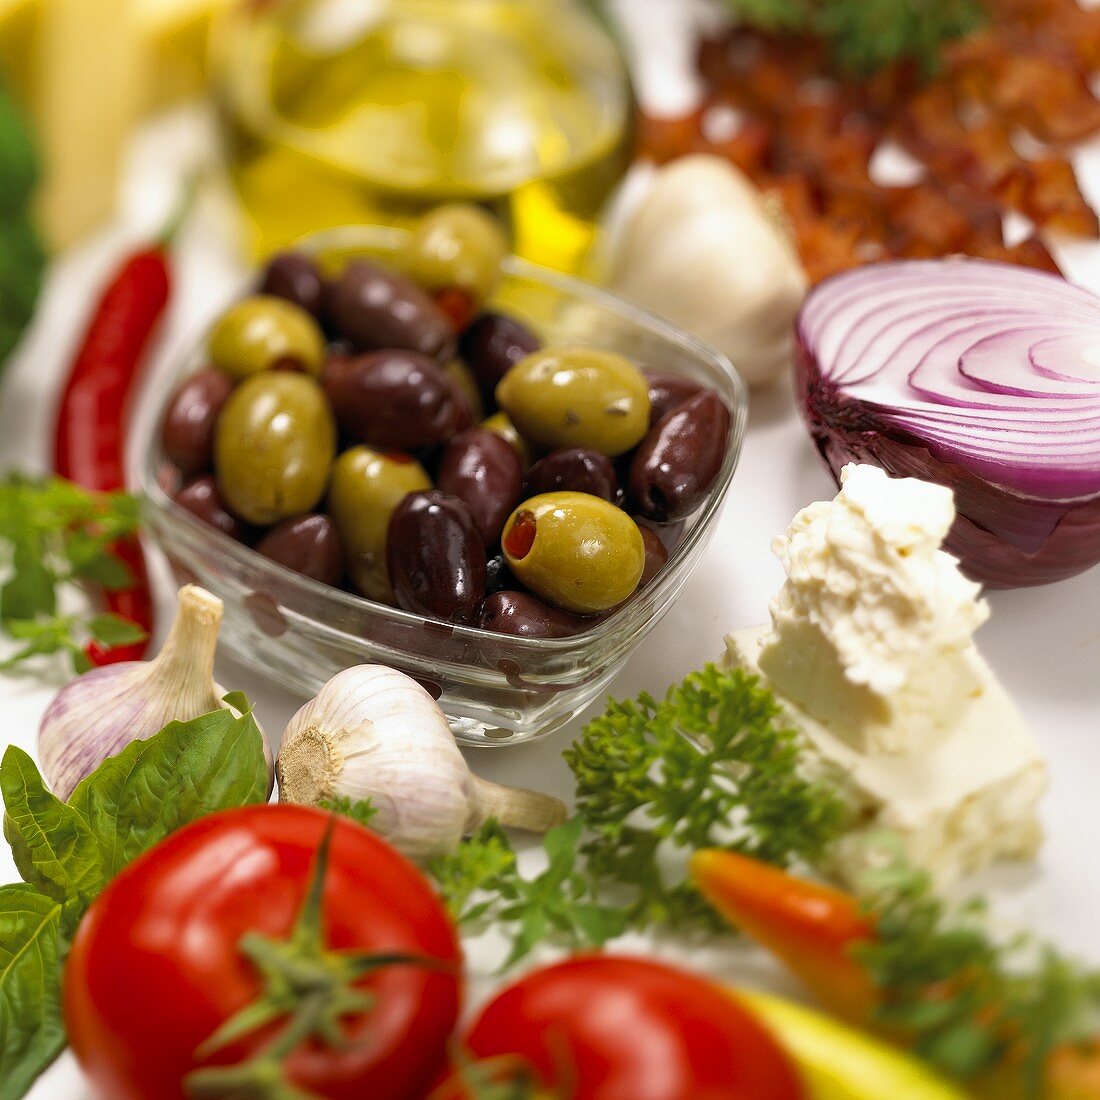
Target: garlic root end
[[307, 767]]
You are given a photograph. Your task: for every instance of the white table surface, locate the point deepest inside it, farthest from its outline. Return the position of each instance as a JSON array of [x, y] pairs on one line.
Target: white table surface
[[1044, 643]]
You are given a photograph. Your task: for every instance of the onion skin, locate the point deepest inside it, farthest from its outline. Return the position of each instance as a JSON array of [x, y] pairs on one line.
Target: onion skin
[[1002, 539], [944, 370]]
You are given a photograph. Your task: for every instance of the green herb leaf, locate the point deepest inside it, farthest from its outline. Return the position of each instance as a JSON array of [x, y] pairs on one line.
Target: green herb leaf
[[864, 36], [53, 844], [559, 905], [31, 1031], [480, 864], [358, 810], [710, 766], [56, 534], [962, 997], [113, 630], [43, 637], [188, 770]]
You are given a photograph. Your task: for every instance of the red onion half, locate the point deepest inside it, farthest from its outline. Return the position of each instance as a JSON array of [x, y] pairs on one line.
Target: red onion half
[[981, 376]]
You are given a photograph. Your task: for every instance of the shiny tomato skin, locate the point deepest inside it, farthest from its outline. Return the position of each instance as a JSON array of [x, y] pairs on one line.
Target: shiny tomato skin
[[611, 1027], [155, 970]]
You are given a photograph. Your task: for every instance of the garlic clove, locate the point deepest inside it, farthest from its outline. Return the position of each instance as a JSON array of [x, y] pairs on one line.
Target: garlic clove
[[704, 249], [98, 714], [374, 733]]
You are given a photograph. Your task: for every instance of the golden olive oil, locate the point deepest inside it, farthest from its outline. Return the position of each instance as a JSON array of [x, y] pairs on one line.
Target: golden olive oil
[[345, 111]]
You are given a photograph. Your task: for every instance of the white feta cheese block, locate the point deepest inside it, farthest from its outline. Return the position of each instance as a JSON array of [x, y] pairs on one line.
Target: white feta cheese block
[[957, 803], [872, 631]]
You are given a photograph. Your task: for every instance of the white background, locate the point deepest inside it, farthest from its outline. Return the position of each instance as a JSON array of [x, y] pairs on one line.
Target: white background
[[1044, 643]]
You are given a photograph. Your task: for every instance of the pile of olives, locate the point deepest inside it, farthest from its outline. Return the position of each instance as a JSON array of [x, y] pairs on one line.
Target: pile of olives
[[375, 428]]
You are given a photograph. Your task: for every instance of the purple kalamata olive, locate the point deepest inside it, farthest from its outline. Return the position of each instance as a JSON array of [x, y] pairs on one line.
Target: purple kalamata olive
[[202, 499], [667, 391], [435, 557], [297, 278], [188, 431], [306, 544], [375, 308], [679, 459], [485, 471], [394, 400], [656, 555], [494, 344], [525, 616], [575, 469]]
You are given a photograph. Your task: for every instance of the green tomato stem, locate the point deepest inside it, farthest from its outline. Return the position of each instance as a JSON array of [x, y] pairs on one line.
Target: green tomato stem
[[302, 982]]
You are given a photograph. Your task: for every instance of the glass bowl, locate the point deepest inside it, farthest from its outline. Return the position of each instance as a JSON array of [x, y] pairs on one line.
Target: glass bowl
[[494, 688]]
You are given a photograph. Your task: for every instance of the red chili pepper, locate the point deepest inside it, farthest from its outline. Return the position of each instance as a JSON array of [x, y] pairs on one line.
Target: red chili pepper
[[93, 415]]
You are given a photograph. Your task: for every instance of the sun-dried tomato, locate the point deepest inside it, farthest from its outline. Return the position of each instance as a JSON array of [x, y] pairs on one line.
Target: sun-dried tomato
[[987, 133]]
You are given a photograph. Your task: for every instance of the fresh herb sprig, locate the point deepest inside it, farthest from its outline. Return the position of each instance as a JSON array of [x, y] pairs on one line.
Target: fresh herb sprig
[[864, 36], [562, 904], [67, 852], [710, 765], [54, 534], [966, 1001]]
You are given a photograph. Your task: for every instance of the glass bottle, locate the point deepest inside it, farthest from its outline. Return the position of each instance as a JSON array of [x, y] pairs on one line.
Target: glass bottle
[[346, 111]]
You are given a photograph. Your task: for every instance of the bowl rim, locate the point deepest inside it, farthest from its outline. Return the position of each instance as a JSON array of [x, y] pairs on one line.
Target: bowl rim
[[633, 613]]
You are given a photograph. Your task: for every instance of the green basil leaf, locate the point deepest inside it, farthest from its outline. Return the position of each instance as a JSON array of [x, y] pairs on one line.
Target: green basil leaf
[[238, 701], [188, 770], [53, 844], [31, 1031]]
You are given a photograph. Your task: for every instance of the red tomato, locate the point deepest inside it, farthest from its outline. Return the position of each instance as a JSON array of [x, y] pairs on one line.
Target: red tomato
[[606, 1027], [155, 968]]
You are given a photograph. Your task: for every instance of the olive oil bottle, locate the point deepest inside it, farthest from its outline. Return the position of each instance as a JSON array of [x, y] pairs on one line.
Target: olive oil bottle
[[344, 111]]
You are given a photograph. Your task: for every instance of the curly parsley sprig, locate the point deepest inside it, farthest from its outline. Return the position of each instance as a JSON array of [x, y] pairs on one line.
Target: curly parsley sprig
[[710, 765]]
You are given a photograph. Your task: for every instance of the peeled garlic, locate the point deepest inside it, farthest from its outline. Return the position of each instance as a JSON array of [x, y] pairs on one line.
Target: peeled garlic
[[704, 249], [375, 733], [98, 714]]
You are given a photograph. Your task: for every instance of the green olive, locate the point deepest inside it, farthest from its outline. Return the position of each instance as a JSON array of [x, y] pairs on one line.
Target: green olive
[[366, 487], [499, 424], [575, 550], [458, 246], [274, 446], [577, 397], [262, 332]]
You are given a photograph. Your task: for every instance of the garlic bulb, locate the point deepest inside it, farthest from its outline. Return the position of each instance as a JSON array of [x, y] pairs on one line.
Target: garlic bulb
[[703, 249], [375, 733], [98, 714]]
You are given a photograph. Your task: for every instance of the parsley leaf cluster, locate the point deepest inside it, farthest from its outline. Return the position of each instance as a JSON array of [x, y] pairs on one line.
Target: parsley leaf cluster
[[710, 765]]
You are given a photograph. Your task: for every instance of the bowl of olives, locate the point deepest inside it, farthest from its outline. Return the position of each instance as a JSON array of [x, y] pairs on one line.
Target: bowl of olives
[[410, 448]]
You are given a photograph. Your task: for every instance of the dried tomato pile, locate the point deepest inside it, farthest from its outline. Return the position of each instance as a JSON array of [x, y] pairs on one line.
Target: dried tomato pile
[[991, 131]]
